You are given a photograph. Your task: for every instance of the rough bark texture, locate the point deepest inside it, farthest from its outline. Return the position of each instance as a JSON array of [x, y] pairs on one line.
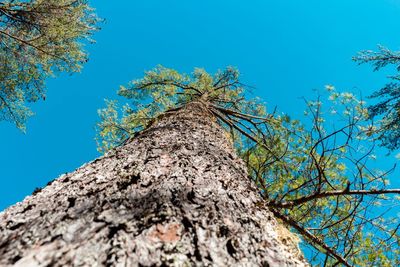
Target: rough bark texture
[[175, 195]]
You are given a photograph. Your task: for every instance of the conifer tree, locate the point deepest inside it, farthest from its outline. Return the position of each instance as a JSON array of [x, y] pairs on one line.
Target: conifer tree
[[314, 175], [174, 194], [37, 39], [387, 110]]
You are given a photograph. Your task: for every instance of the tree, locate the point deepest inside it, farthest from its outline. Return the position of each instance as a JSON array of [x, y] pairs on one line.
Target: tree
[[37, 39], [176, 194], [388, 109], [314, 176]]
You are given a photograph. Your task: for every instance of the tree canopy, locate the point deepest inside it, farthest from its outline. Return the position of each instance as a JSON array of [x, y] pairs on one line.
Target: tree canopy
[[316, 176], [37, 39], [387, 109]]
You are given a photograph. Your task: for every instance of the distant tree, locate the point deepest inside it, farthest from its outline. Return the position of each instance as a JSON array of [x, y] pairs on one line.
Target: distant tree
[[314, 175], [388, 108], [37, 39]]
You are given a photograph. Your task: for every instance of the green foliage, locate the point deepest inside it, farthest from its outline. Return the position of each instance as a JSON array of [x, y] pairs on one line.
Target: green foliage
[[38, 38], [314, 174], [162, 89], [318, 157], [388, 108]]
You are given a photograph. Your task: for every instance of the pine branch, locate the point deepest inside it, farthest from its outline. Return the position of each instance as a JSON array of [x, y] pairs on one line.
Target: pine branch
[[314, 240], [292, 203]]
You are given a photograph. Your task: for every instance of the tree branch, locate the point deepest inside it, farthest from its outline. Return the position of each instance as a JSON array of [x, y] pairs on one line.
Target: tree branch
[[292, 203], [314, 240]]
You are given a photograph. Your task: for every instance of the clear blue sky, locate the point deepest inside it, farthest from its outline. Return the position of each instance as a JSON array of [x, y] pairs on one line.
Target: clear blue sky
[[284, 48]]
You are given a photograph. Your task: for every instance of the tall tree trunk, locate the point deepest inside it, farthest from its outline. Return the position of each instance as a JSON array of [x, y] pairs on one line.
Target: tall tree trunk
[[175, 195]]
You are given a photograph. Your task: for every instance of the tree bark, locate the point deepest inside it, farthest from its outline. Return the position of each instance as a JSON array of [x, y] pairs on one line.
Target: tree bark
[[175, 195]]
